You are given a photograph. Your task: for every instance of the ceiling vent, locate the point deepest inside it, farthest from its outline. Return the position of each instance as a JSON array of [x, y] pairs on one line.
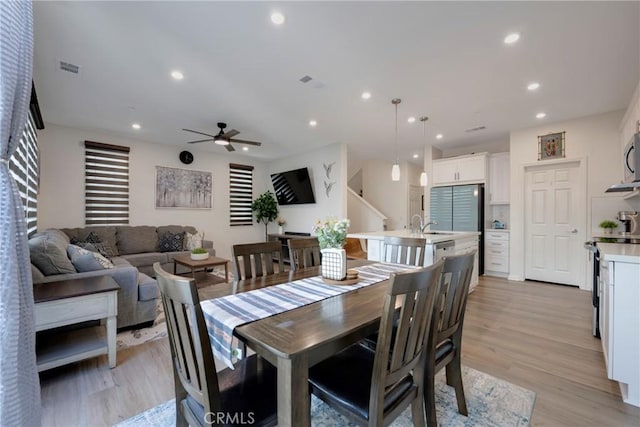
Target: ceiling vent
[[67, 66], [475, 129], [305, 79]]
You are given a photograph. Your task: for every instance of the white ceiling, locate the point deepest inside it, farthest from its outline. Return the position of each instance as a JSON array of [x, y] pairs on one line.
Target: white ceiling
[[445, 60]]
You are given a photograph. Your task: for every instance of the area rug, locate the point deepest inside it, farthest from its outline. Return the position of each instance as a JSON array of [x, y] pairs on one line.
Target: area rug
[[132, 337], [491, 402]]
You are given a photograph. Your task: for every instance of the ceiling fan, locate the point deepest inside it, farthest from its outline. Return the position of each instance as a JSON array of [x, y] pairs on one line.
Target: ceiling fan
[[223, 138]]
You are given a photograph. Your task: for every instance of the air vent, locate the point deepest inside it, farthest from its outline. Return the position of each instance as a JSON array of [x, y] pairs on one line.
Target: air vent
[[305, 79], [67, 66], [475, 129]]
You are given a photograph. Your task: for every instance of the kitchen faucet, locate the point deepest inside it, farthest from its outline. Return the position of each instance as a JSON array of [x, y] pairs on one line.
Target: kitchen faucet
[[422, 225], [428, 224]]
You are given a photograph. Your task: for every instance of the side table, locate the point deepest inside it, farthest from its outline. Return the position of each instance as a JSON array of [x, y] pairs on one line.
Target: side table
[[69, 302], [212, 261]]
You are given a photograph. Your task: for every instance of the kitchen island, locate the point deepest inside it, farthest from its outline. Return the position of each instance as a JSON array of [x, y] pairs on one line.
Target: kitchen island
[[619, 289], [438, 244]]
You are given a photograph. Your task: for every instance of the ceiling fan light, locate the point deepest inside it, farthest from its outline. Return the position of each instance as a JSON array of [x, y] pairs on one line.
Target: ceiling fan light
[[424, 179], [395, 172], [220, 141]]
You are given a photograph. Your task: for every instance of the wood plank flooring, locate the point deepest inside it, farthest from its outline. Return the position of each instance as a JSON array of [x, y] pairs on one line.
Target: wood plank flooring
[[531, 334]]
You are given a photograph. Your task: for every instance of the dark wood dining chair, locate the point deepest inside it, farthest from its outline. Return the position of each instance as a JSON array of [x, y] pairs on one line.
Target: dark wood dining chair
[[304, 252], [404, 250], [257, 259], [249, 391], [374, 387], [445, 336]]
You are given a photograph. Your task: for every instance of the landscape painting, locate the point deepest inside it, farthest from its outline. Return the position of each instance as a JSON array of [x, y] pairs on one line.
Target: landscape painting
[[182, 188]]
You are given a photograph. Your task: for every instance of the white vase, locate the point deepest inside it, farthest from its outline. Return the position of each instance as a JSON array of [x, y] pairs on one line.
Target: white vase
[[199, 257], [334, 263], [280, 229]]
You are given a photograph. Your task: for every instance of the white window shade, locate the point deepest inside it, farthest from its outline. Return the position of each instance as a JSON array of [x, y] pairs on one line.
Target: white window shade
[[240, 194], [24, 167]]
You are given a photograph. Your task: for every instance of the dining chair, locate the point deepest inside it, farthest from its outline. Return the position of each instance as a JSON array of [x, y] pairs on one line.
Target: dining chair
[[404, 250], [445, 336], [374, 387], [257, 259], [249, 391], [304, 252]]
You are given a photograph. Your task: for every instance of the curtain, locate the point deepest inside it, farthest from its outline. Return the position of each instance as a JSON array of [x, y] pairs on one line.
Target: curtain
[[19, 383]]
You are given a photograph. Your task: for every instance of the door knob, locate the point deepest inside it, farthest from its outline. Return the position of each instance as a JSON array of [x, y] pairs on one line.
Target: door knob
[[574, 231]]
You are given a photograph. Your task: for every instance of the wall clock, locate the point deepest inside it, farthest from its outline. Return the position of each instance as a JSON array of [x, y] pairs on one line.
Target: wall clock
[[186, 157]]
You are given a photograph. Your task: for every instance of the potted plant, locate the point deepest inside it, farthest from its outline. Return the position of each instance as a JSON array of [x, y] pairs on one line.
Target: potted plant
[[199, 254], [265, 209], [281, 222], [332, 235], [608, 226]]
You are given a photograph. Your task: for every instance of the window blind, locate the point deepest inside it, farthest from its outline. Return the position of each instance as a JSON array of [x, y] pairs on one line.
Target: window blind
[[25, 169], [240, 194], [106, 184]]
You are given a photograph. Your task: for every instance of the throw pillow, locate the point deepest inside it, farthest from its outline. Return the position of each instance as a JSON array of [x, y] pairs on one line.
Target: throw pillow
[[48, 256], [84, 260], [193, 240], [103, 248], [171, 242]]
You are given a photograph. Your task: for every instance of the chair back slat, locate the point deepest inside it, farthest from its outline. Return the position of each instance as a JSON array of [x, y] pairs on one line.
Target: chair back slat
[[257, 259], [193, 362], [304, 252], [404, 250], [415, 292]]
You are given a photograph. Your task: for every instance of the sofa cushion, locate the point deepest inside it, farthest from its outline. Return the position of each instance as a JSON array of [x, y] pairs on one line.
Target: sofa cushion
[[147, 288], [48, 253], [84, 260], [106, 235], [36, 274], [175, 229], [137, 240], [171, 242], [138, 260]]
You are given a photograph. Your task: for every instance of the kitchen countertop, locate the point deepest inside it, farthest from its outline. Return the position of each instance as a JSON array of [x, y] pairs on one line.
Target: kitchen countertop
[[616, 236], [620, 252], [431, 238]]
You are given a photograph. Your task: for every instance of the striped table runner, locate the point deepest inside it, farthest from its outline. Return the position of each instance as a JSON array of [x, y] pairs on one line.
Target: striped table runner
[[224, 314]]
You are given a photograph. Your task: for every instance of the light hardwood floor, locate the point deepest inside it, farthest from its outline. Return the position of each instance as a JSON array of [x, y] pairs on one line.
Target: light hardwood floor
[[531, 334]]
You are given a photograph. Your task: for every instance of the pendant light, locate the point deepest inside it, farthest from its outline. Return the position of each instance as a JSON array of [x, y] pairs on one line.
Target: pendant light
[[395, 170], [424, 179]]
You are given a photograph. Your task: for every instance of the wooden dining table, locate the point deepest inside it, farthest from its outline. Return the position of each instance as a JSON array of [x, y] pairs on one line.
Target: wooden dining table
[[297, 339]]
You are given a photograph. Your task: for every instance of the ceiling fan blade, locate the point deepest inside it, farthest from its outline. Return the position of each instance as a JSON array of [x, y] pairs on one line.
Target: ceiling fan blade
[[201, 133], [200, 140], [242, 141], [229, 147], [230, 134]]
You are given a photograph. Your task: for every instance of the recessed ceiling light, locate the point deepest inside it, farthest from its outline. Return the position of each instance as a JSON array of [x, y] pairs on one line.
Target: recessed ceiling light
[[439, 136], [533, 86], [512, 38], [312, 123], [366, 95], [245, 148], [541, 115], [136, 126], [415, 156], [277, 18], [177, 75], [411, 119]]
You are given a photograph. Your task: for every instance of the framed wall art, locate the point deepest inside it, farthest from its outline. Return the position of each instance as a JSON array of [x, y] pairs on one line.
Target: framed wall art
[[551, 146], [183, 188]]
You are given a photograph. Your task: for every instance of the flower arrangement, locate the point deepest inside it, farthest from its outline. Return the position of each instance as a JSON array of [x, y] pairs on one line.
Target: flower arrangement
[[332, 232], [281, 221]]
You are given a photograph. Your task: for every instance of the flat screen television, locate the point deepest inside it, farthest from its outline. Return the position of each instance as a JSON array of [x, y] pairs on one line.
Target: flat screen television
[[293, 187]]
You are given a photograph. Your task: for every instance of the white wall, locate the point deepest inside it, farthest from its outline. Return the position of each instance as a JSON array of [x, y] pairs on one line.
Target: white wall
[[61, 197], [489, 147], [595, 138], [300, 218]]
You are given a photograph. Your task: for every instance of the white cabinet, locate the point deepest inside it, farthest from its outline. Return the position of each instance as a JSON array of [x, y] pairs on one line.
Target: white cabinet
[[463, 246], [496, 253], [460, 170], [620, 326], [499, 175]]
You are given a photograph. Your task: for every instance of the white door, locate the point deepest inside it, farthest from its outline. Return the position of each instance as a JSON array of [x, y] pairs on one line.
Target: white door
[[555, 223], [415, 203]]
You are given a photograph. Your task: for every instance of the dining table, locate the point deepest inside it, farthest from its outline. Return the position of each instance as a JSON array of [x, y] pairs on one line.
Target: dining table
[[295, 340]]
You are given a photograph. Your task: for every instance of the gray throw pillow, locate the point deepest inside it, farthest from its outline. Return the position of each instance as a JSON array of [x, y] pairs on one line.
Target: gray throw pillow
[[48, 256], [171, 242], [84, 260]]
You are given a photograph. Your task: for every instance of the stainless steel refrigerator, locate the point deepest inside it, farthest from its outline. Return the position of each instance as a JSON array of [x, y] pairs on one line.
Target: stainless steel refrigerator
[[459, 208]]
